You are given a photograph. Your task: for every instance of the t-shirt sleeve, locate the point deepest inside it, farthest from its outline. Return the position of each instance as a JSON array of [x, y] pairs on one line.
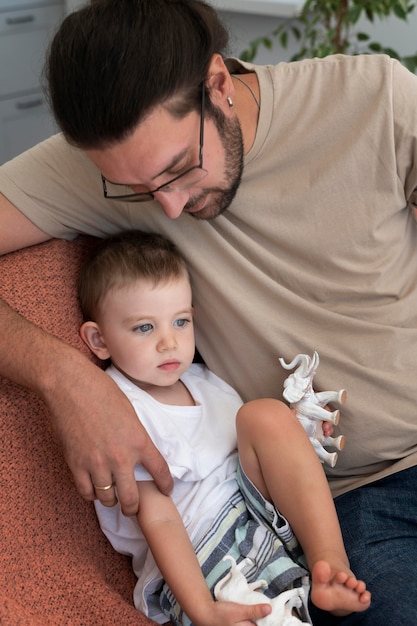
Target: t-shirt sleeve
[[404, 95], [59, 189]]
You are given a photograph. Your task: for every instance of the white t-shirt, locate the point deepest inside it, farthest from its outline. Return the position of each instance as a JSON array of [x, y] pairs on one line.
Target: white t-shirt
[[199, 444]]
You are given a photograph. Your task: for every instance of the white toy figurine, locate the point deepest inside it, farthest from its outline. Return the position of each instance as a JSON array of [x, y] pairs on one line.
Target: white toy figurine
[[235, 588], [299, 392]]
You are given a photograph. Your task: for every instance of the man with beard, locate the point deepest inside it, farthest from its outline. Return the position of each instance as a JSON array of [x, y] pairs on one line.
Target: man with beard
[[311, 246]]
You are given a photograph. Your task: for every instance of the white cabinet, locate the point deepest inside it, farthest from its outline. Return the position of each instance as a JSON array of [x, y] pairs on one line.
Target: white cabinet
[[277, 8], [25, 30]]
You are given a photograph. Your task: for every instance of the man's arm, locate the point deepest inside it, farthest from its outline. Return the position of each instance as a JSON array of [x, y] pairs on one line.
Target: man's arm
[[101, 434], [174, 554], [16, 230]]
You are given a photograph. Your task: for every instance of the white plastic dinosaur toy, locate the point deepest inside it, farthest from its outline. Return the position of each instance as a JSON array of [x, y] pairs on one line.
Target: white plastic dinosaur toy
[[299, 392], [234, 587]]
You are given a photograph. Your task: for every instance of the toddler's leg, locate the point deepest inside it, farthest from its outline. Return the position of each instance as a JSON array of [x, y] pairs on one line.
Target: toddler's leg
[[277, 456]]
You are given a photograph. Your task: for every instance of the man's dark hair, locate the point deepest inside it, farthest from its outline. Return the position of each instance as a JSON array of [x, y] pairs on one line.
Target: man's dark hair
[[112, 61]]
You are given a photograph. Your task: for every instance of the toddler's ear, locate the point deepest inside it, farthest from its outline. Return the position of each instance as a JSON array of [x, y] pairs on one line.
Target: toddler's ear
[[91, 335]]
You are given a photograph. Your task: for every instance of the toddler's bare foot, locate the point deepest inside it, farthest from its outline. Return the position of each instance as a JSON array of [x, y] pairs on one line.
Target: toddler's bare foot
[[338, 592]]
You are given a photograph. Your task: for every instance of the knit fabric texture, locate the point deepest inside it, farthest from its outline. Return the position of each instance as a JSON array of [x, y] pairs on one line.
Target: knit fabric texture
[[56, 565]]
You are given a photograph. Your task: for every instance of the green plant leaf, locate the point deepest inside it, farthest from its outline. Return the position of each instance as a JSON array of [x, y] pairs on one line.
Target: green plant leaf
[[296, 32], [325, 27], [392, 53], [354, 14], [410, 62], [399, 12]]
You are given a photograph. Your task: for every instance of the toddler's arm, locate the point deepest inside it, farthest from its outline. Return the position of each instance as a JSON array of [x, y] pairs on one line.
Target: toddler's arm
[[174, 554]]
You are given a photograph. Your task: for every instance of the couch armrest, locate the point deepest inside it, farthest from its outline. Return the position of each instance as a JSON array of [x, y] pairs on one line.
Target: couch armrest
[[57, 567]]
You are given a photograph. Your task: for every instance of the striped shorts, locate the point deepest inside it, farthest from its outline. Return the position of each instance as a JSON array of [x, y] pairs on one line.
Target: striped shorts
[[249, 526]]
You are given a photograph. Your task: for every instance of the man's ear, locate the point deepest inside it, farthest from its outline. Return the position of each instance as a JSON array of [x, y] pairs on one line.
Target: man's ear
[[91, 335], [219, 82]]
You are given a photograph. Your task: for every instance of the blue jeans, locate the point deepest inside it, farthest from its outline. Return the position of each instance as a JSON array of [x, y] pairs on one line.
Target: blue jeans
[[379, 526]]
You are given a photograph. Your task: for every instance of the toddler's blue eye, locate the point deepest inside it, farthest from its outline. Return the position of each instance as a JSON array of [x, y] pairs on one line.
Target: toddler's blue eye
[[143, 328]]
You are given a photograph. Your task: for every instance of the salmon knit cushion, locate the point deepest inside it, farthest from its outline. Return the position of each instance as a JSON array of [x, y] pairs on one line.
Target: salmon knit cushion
[[57, 568]]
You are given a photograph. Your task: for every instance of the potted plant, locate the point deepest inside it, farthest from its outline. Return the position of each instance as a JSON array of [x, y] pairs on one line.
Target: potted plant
[[326, 27]]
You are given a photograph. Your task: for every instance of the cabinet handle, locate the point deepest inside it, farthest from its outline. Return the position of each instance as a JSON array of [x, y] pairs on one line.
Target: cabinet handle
[[29, 104], [22, 19]]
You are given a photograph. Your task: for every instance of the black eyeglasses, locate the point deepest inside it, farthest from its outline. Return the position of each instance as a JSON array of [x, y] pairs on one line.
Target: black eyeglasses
[[183, 181]]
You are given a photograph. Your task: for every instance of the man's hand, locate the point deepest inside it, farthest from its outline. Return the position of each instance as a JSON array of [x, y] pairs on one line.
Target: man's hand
[[102, 437]]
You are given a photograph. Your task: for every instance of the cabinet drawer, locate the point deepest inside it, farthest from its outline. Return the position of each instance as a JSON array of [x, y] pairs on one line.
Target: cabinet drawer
[[24, 37], [24, 19], [24, 121], [11, 5]]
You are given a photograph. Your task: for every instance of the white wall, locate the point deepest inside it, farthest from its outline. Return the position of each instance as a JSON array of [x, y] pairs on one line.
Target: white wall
[[70, 5], [244, 27]]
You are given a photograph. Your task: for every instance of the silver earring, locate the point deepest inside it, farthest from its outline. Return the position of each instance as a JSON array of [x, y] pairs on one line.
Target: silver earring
[[229, 101]]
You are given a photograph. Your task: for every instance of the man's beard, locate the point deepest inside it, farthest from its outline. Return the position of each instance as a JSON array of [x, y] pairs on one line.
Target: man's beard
[[230, 134]]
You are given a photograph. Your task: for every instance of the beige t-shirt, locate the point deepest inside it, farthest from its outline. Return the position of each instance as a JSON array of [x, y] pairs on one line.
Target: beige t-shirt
[[317, 252]]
